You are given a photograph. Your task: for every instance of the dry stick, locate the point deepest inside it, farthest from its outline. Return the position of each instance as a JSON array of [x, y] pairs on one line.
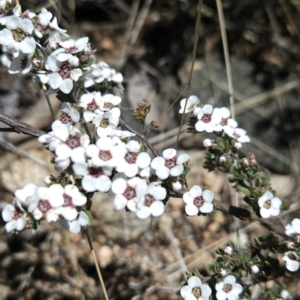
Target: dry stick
[[197, 26], [226, 55], [128, 31], [96, 264], [140, 21], [20, 127]]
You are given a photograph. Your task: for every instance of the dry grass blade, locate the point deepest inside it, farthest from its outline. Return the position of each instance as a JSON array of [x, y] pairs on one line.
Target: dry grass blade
[[226, 55], [197, 26], [127, 34], [259, 99]]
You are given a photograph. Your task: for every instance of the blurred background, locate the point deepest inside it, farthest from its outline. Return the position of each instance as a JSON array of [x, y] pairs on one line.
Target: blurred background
[[151, 42]]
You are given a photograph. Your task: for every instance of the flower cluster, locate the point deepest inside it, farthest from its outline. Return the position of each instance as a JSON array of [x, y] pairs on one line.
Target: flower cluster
[[212, 119], [226, 289], [32, 203]]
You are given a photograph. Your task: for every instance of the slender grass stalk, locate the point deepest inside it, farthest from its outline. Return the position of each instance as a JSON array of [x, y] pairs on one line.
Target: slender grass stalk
[[96, 264], [197, 26], [226, 56]]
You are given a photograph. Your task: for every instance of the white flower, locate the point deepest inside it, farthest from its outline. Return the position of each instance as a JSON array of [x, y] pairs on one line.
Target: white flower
[[169, 164], [198, 201], [64, 73], [237, 133], [72, 199], [225, 120], [208, 119], [72, 46], [292, 261], [27, 195], [91, 103], [100, 72], [15, 36], [49, 204], [190, 105], [21, 64], [94, 178], [269, 205], [44, 18], [228, 289], [53, 26], [75, 225], [151, 204], [293, 228], [107, 152], [68, 115], [68, 143], [134, 160], [195, 290], [107, 122], [15, 217], [128, 192]]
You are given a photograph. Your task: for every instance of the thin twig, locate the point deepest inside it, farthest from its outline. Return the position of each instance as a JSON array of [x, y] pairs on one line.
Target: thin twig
[[141, 136], [226, 55], [96, 264], [20, 127], [197, 26], [49, 103]]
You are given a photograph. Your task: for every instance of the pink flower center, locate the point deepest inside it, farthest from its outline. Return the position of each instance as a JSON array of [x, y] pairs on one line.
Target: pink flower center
[[129, 193], [206, 118], [292, 256], [224, 121], [227, 288], [149, 199], [65, 72], [92, 106], [39, 27], [105, 155], [96, 172], [131, 157], [67, 200], [18, 213], [73, 141], [44, 206], [65, 118], [71, 49], [171, 163], [198, 201], [108, 105]]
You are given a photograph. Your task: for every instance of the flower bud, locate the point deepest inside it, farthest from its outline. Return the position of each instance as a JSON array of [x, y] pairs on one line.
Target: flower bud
[[207, 143], [176, 186]]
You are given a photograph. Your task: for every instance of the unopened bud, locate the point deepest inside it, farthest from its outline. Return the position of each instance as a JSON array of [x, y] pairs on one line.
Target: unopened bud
[[155, 124], [222, 159], [255, 269], [207, 143], [228, 250], [291, 245], [74, 61], [176, 186], [238, 145], [36, 62]]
